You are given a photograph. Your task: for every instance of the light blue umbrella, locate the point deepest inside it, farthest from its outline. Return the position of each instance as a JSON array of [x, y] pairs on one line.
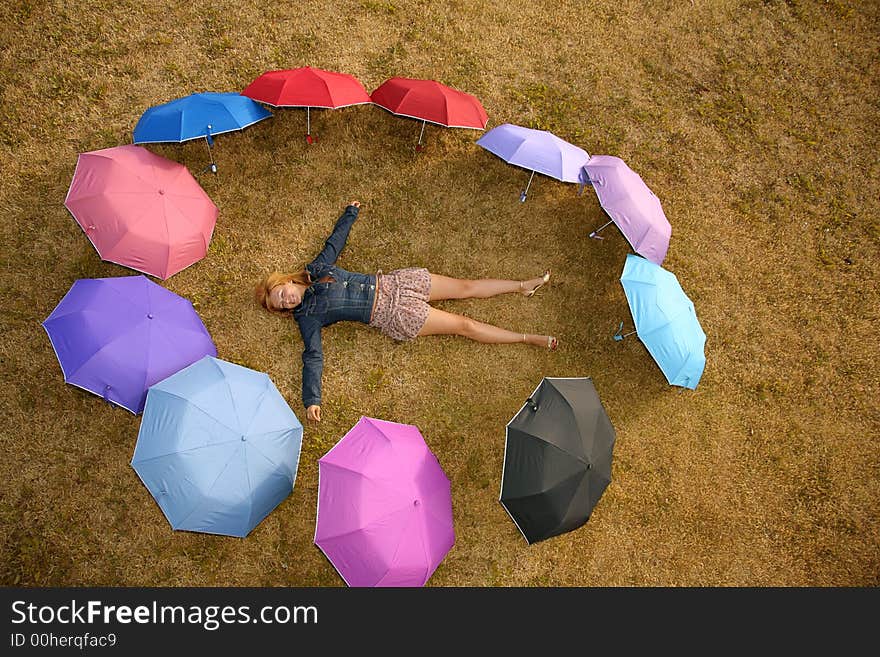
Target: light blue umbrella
[[665, 320], [218, 447], [202, 115]]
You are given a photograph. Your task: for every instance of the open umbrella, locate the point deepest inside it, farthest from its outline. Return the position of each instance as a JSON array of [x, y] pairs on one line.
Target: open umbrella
[[307, 87], [430, 102], [384, 506], [116, 337], [537, 150], [665, 320], [218, 447], [632, 206], [557, 458], [141, 210], [201, 115]]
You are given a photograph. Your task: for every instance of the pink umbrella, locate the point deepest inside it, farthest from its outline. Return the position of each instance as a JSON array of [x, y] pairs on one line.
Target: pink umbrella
[[384, 506], [141, 210], [631, 205]]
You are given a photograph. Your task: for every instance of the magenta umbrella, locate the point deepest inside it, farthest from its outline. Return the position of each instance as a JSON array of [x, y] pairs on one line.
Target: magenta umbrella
[[384, 506], [141, 210], [631, 205]]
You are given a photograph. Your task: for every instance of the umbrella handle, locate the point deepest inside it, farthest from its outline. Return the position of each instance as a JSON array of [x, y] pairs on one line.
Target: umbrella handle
[[419, 142], [525, 192], [594, 233], [209, 140], [532, 404], [618, 337], [309, 139]]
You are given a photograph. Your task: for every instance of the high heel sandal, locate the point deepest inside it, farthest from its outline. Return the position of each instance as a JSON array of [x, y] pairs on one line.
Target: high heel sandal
[[544, 280], [552, 342]]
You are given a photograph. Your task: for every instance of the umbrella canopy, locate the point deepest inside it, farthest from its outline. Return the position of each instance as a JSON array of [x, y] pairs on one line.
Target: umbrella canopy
[[631, 205], [198, 115], [307, 87], [665, 320], [557, 458], [116, 337], [218, 447], [384, 506], [141, 210], [537, 150], [428, 100]]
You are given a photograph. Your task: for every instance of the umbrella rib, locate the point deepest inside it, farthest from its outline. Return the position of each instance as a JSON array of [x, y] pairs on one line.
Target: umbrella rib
[[361, 474], [186, 451], [211, 487], [250, 497], [231, 396], [194, 405], [400, 540], [664, 325], [545, 490], [373, 520], [145, 213], [259, 451], [171, 338], [259, 403], [103, 347]]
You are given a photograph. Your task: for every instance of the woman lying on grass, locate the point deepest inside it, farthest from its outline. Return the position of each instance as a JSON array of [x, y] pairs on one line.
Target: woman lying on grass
[[396, 303]]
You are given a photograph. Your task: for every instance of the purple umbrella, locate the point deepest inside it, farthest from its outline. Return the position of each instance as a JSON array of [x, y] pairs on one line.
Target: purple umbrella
[[631, 205], [384, 506], [116, 337], [537, 150]]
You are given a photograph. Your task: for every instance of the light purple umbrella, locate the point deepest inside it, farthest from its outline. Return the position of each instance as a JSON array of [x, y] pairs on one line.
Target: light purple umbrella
[[631, 205], [384, 506], [537, 150], [116, 337]]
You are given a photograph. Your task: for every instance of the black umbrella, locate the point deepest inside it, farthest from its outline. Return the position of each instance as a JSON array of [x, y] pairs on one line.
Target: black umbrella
[[557, 458]]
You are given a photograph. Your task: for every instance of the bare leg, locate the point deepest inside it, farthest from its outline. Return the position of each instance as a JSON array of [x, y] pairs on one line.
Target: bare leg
[[445, 287], [440, 322]]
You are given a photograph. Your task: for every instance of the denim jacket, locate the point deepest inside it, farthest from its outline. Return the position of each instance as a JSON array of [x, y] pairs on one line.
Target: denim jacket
[[348, 296]]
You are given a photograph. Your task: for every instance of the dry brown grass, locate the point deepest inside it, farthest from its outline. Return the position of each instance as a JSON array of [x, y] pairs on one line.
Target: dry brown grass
[[756, 124]]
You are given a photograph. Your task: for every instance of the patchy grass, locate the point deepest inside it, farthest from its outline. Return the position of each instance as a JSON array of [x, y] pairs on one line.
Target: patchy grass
[[755, 124]]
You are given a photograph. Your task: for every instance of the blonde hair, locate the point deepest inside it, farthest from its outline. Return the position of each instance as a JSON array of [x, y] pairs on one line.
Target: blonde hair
[[273, 280]]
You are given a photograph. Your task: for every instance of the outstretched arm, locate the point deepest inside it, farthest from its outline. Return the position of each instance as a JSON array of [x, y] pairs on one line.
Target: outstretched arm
[[336, 242], [313, 364]]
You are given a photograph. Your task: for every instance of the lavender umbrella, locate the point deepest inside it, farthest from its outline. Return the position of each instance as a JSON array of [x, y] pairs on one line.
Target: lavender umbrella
[[631, 205], [384, 506], [537, 150], [116, 337]]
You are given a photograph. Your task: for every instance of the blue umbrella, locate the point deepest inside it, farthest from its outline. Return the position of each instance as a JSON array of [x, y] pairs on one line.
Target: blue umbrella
[[218, 447], [196, 116], [665, 320]]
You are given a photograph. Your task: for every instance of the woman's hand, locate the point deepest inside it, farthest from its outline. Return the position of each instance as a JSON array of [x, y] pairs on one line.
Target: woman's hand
[[356, 204], [313, 413]]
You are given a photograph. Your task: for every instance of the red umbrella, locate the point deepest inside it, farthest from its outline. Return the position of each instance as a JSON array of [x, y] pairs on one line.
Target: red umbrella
[[141, 210], [431, 102], [307, 87]]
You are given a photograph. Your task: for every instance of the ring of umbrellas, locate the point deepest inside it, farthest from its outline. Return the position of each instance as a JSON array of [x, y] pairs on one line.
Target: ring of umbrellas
[[218, 447]]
